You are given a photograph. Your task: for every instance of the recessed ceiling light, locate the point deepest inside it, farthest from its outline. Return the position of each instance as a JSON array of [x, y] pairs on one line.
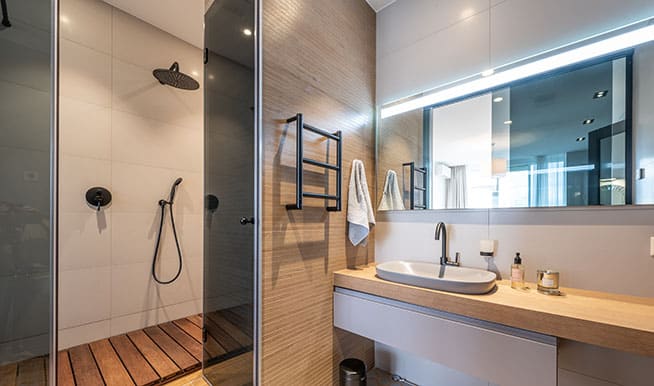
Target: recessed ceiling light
[[195, 73], [247, 32], [588, 121], [211, 77], [508, 122], [498, 99], [488, 72], [580, 139], [600, 94], [64, 19]]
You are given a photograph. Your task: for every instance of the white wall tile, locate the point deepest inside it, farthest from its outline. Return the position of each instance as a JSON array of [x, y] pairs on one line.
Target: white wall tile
[[134, 290], [84, 296], [84, 73], [87, 22], [85, 129], [117, 122], [76, 176], [149, 47], [137, 91], [135, 234], [151, 142], [139, 188], [84, 240], [132, 322], [74, 336]]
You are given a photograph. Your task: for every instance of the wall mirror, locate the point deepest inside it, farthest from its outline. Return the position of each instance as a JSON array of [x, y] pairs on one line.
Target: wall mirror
[[565, 137]]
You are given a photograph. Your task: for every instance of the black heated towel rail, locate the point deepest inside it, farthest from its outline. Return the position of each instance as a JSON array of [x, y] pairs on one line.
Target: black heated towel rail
[[301, 160], [5, 13], [416, 189]]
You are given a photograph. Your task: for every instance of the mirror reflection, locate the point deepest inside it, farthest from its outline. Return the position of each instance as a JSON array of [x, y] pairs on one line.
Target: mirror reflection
[[562, 139]]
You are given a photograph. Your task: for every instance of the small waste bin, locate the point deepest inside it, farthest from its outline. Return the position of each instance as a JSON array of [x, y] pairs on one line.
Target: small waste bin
[[352, 372]]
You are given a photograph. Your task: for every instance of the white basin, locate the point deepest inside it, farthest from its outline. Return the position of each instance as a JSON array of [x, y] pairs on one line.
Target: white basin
[[444, 278]]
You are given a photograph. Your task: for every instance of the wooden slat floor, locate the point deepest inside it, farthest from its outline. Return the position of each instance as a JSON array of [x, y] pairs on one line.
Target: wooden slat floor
[[154, 355]]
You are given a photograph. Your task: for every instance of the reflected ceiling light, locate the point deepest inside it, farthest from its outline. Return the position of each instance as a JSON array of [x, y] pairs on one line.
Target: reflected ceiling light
[[588, 121], [247, 32], [195, 73], [498, 99], [600, 94], [212, 77], [488, 72], [508, 122], [64, 19], [581, 139], [579, 54]]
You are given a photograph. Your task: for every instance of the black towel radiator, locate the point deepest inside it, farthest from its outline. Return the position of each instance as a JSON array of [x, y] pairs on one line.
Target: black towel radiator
[[301, 160], [415, 189], [5, 13]]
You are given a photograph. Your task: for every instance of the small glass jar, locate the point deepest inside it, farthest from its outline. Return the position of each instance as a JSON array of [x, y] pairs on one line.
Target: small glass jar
[[548, 282]]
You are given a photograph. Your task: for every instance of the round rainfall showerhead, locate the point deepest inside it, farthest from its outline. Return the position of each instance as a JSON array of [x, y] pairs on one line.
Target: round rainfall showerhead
[[172, 77]]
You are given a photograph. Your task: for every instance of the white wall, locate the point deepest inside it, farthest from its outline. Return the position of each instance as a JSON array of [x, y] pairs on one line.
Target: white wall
[[422, 44], [123, 130]]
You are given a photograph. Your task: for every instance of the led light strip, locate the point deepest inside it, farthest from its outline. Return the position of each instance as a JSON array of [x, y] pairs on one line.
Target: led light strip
[[566, 58]]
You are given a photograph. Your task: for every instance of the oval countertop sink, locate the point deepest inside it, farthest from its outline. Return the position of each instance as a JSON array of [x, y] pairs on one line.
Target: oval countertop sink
[[443, 278]]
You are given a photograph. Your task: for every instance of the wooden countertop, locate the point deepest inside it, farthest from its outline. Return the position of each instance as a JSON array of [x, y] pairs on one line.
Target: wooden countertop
[[619, 322]]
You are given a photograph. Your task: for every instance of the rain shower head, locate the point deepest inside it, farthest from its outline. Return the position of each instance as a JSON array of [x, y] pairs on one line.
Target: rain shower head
[[172, 77]]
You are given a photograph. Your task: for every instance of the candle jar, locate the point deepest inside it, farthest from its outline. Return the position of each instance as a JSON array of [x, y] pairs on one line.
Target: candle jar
[[548, 282]]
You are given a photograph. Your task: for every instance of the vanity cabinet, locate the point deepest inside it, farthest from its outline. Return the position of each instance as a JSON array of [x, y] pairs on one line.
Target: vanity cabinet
[[497, 353]]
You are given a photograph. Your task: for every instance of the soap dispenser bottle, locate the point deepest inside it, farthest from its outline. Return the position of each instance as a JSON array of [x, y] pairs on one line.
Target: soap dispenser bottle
[[517, 272]]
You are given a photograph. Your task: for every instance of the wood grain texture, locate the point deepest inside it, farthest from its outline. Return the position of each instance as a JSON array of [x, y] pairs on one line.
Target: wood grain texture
[[84, 367], [614, 321], [32, 372], [64, 371], [138, 367], [191, 345], [400, 141], [318, 59], [8, 374], [155, 356], [112, 369], [174, 350]]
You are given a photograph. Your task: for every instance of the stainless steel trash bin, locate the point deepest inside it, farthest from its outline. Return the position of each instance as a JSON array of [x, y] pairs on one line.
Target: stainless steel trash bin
[[352, 372]]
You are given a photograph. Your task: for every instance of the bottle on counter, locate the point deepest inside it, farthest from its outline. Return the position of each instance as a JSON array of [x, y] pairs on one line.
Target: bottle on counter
[[517, 272]]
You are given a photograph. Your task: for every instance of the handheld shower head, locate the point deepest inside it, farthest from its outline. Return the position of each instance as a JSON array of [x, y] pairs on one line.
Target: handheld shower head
[[173, 189]]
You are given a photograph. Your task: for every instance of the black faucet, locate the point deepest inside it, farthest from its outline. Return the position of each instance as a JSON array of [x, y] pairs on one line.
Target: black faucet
[[440, 230]]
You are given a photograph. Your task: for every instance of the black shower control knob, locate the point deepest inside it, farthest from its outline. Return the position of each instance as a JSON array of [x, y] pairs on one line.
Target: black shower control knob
[[246, 220]]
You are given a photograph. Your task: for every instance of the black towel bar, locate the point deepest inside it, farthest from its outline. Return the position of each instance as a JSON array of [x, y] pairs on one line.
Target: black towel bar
[[300, 161], [416, 188]]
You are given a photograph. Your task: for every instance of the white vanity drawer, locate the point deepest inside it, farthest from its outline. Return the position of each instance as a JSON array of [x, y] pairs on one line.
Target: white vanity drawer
[[499, 354]]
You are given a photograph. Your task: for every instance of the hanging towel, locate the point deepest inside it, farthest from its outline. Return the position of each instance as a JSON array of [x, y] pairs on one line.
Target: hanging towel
[[391, 198], [359, 208]]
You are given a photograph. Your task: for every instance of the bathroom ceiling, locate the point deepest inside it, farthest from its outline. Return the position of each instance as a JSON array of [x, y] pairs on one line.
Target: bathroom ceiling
[[183, 19], [378, 5]]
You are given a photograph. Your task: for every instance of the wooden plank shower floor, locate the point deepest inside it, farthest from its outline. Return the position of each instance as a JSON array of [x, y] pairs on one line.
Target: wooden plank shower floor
[[154, 355]]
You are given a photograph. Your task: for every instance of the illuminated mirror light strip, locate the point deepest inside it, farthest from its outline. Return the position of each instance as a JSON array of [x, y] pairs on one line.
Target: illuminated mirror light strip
[[576, 55]]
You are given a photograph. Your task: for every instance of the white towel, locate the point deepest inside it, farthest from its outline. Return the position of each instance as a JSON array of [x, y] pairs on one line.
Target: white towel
[[391, 198], [359, 208]]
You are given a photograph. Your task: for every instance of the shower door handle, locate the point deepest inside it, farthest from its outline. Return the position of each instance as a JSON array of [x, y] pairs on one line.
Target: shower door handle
[[246, 220]]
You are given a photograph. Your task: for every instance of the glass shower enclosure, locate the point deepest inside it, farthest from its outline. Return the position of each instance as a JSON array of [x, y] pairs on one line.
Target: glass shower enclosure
[[27, 100], [231, 186]]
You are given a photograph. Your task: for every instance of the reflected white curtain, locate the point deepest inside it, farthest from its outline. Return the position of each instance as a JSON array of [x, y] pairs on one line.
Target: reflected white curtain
[[548, 181], [457, 188]]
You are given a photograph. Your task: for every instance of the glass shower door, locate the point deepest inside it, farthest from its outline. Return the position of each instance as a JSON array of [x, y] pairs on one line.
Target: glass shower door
[[229, 232], [26, 109]]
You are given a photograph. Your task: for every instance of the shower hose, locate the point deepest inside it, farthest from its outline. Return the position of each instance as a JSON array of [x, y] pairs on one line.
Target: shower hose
[[163, 204]]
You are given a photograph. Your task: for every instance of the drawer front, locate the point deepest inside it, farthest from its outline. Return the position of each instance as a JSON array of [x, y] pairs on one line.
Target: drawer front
[[490, 353]]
